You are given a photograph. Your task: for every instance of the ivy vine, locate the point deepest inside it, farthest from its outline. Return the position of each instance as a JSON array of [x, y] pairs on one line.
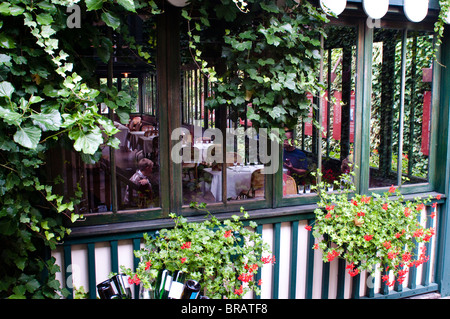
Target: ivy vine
[[264, 54], [269, 57], [48, 96]]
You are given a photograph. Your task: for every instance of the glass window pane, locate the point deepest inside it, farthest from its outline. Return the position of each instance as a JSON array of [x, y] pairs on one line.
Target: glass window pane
[[417, 116], [337, 108], [137, 164], [386, 78], [392, 141], [131, 86]]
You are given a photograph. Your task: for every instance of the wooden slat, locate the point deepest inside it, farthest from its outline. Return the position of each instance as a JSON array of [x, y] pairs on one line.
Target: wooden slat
[[91, 271], [68, 270], [310, 265], [293, 256], [276, 266]]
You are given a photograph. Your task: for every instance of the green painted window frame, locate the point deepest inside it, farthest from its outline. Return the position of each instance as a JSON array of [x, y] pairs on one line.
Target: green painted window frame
[[168, 70], [362, 121]]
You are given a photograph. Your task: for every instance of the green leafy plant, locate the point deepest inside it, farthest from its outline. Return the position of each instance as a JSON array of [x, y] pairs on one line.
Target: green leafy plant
[[269, 56], [48, 98], [223, 256], [371, 232]]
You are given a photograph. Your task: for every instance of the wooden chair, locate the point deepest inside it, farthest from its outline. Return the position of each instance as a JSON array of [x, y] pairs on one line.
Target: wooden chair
[[135, 124], [257, 184], [290, 187], [192, 164], [147, 128]]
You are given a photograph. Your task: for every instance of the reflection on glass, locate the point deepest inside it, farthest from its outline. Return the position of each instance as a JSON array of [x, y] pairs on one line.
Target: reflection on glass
[[137, 163], [131, 86], [399, 151], [337, 109], [219, 143]]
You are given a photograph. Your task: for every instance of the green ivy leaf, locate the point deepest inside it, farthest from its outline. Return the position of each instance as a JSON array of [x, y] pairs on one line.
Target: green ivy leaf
[[86, 143], [10, 117], [49, 121], [94, 4], [32, 285], [6, 89], [44, 18], [127, 4], [28, 136], [111, 20]]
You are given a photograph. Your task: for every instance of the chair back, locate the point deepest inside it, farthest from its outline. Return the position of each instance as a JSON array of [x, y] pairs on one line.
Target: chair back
[[135, 124], [290, 187]]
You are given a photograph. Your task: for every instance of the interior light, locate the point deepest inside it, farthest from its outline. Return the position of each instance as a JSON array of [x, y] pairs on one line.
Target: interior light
[[415, 10], [376, 9], [333, 6]]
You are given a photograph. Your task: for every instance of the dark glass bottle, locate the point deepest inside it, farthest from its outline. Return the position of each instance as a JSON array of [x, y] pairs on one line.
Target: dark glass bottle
[[108, 290], [163, 283], [122, 285], [191, 289]]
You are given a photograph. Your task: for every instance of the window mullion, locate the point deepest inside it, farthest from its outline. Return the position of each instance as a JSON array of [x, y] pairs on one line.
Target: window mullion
[[402, 108], [363, 106]]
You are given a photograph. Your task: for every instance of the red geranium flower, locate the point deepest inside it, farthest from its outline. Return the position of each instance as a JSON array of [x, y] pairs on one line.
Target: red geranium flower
[[186, 245]]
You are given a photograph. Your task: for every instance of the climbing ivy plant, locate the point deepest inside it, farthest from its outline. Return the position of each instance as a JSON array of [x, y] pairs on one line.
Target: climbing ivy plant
[[260, 53], [49, 95], [269, 57]]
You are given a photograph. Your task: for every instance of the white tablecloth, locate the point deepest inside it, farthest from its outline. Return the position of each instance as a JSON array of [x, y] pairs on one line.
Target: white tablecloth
[[122, 134], [134, 135], [238, 180], [145, 143]]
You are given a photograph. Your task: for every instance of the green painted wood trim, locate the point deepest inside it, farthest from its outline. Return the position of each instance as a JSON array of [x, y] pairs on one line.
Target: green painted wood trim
[[341, 279], [294, 256], [442, 166], [114, 256], [277, 184], [402, 107], [370, 289], [136, 246], [259, 230], [68, 270], [363, 106], [163, 58], [356, 286], [325, 280], [309, 265], [91, 271], [276, 254], [406, 292]]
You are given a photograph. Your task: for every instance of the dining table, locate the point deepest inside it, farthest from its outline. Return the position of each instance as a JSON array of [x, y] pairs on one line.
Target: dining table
[[145, 143], [238, 180], [122, 134], [134, 138]]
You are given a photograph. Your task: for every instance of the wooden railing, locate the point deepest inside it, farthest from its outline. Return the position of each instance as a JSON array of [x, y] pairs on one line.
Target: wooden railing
[[298, 273]]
